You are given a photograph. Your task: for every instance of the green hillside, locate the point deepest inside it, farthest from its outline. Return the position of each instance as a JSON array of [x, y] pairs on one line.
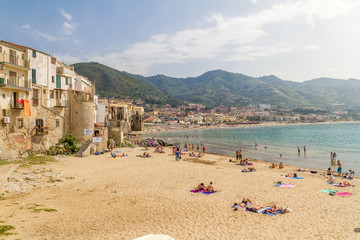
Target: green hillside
[[110, 82], [219, 87]]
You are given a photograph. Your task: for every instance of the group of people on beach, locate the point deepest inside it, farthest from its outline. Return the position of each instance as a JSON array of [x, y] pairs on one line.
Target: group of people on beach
[[274, 165], [210, 188], [191, 147]]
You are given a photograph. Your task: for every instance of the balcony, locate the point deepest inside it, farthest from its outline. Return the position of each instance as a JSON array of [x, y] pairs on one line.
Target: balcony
[[15, 105], [61, 103], [15, 83], [15, 62], [41, 131]]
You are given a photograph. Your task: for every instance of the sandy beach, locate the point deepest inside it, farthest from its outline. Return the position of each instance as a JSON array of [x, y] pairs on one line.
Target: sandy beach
[[99, 197]]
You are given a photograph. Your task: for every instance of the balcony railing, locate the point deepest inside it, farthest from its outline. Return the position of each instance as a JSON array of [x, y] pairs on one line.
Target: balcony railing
[[41, 130], [16, 105], [13, 82], [61, 103], [6, 58]]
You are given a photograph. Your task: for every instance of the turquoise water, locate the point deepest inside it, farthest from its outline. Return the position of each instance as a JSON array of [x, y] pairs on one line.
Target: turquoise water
[[319, 139]]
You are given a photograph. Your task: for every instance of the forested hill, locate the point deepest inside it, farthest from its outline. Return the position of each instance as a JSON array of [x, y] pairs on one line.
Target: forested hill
[[219, 87]]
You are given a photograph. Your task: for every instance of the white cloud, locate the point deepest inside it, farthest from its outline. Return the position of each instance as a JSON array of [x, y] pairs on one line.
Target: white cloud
[[254, 1], [68, 26], [26, 26], [225, 38], [67, 16], [46, 36]]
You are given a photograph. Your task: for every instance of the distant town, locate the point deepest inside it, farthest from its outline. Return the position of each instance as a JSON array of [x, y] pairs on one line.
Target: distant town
[[253, 113]]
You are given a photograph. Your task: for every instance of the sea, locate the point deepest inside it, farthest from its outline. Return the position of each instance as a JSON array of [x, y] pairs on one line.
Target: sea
[[319, 140]]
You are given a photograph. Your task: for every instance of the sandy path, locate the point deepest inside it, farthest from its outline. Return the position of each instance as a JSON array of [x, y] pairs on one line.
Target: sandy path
[[131, 197]]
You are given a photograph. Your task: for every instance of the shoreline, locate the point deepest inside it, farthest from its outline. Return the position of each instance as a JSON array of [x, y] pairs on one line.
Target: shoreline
[[172, 128]]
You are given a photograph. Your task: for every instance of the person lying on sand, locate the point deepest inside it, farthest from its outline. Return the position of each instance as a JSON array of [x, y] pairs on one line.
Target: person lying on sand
[[300, 170], [345, 184], [329, 172], [289, 175], [250, 169]]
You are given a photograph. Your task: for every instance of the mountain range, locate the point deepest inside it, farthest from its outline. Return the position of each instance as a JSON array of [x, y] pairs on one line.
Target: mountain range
[[220, 87]]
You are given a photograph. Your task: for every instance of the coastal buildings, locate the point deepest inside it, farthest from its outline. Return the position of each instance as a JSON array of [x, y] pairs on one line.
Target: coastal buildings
[[42, 99]]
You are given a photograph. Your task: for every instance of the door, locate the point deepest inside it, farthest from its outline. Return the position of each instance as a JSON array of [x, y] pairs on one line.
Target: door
[[13, 57], [58, 81]]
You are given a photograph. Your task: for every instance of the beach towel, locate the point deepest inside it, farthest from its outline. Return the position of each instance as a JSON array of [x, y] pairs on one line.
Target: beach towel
[[287, 185], [245, 164], [278, 185], [298, 177], [207, 193], [343, 194], [194, 191], [328, 191]]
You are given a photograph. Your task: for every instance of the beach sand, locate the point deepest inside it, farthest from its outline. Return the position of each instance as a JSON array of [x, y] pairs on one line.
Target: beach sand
[[125, 198]]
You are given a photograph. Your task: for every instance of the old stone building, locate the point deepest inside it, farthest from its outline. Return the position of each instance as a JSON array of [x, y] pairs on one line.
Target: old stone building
[[41, 99]]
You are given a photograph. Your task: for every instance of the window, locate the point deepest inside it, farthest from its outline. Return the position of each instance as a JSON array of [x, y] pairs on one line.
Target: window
[[34, 53], [35, 96], [20, 123], [12, 78], [44, 91], [39, 125], [66, 81], [22, 56], [57, 123], [4, 112], [34, 76], [0, 49], [51, 94], [53, 79]]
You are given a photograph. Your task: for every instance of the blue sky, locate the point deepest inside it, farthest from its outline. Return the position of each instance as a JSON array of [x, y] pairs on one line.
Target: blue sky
[[295, 40]]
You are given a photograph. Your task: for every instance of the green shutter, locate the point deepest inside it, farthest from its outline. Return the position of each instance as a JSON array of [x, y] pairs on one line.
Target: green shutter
[[58, 81], [1, 81], [34, 53], [66, 81], [34, 76]]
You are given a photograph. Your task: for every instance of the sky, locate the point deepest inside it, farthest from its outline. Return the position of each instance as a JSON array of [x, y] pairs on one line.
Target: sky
[[294, 40]]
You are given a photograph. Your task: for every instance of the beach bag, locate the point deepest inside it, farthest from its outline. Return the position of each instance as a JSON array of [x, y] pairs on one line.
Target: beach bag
[[332, 193]]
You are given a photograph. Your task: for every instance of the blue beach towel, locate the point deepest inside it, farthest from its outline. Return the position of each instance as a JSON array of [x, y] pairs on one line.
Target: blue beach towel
[[298, 177], [207, 193]]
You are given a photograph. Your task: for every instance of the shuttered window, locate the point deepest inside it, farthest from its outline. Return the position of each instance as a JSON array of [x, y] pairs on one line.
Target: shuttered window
[[33, 76]]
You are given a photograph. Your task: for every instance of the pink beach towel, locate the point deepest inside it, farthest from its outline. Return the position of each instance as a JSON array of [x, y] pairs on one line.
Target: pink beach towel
[[287, 185], [343, 194]]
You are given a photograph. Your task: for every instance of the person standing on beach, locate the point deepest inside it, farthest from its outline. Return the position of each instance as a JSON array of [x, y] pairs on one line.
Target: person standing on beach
[[339, 170], [298, 151], [237, 155], [197, 148], [240, 155], [304, 150], [256, 145], [177, 155], [203, 148]]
